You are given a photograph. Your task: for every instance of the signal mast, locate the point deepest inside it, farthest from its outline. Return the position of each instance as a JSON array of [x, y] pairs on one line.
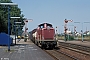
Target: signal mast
[[26, 21], [65, 27]]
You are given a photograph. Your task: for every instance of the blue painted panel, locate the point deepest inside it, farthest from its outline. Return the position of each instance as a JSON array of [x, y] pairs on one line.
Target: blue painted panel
[[5, 39]]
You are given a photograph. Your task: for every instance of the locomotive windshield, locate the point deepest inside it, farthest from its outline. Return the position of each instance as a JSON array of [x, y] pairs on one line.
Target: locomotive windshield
[[45, 25]]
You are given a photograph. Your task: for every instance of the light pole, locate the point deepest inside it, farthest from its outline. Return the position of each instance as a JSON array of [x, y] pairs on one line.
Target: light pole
[[15, 29], [8, 4], [56, 33], [87, 23], [74, 32], [82, 32], [82, 28], [86, 28], [15, 25]]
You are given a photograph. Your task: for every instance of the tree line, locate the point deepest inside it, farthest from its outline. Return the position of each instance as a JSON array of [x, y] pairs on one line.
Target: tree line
[[15, 11]]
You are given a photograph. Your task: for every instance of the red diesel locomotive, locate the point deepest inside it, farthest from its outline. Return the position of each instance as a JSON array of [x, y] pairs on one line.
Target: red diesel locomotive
[[44, 36]]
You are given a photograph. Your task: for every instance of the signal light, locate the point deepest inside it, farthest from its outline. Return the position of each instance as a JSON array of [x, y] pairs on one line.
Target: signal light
[[74, 26], [26, 28], [66, 21], [66, 29], [26, 20]]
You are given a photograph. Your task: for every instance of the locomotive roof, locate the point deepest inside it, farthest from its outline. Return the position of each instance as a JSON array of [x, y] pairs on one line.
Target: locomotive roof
[[33, 31], [45, 23]]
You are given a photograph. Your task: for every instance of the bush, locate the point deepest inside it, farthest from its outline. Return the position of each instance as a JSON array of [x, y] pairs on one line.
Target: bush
[[71, 37]]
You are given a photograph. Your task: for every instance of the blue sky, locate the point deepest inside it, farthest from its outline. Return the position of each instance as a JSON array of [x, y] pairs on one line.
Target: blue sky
[[55, 11]]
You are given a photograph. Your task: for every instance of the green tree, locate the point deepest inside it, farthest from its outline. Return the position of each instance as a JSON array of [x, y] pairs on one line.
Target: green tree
[[14, 12]]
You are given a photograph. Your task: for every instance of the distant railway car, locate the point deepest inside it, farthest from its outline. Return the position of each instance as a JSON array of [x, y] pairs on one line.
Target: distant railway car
[[44, 36]]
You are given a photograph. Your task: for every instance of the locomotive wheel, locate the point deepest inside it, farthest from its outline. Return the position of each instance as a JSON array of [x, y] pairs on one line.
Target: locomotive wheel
[[42, 46], [51, 46], [37, 44]]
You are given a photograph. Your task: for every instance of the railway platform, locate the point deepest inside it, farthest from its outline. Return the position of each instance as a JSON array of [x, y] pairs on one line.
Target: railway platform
[[84, 43], [23, 51]]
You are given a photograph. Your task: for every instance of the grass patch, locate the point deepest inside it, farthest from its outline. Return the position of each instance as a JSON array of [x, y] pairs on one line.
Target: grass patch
[[12, 50]]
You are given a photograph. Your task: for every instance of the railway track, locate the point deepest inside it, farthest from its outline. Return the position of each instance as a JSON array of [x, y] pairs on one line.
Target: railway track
[[77, 51], [59, 55], [69, 51], [85, 49]]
